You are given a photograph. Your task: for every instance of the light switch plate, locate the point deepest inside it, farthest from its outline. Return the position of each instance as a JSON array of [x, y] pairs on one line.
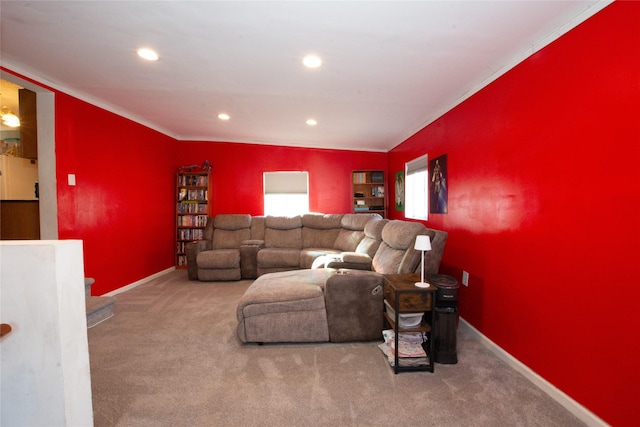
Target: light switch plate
[[71, 179]]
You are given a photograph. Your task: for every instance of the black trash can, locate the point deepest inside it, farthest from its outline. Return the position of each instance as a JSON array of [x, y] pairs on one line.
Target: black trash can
[[445, 334]]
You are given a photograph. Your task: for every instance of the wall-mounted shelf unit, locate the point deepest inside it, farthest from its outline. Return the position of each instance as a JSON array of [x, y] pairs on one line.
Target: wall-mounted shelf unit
[[369, 192]]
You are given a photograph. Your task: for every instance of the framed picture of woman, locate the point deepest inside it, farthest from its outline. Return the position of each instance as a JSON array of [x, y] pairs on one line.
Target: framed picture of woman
[[438, 185]]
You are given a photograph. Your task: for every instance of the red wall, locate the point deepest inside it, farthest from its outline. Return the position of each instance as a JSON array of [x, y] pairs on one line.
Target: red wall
[[544, 210], [122, 206], [238, 169], [544, 203]]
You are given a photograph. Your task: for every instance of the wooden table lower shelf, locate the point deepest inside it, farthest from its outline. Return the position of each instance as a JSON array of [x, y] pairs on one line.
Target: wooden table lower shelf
[[404, 296]]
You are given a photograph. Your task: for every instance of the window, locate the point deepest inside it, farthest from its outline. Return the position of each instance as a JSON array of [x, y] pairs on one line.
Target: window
[[416, 190], [286, 193]]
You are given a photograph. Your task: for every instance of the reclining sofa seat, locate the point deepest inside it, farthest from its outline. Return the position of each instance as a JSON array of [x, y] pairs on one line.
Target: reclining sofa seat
[[319, 233], [362, 257], [282, 244], [396, 254], [220, 258]]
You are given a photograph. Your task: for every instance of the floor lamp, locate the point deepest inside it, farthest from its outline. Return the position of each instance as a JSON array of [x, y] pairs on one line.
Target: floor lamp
[[423, 243]]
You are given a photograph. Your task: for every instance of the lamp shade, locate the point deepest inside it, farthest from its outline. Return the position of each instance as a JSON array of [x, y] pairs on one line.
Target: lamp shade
[[423, 243]]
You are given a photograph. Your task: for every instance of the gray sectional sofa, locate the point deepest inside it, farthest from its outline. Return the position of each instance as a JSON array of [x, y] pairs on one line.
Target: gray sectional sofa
[[240, 246], [318, 277]]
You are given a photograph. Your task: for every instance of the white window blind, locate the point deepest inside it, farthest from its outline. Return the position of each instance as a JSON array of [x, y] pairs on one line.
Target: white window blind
[[285, 182], [286, 193], [416, 188]]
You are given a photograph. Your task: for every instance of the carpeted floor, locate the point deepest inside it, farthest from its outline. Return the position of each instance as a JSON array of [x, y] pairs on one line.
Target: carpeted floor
[[170, 357]]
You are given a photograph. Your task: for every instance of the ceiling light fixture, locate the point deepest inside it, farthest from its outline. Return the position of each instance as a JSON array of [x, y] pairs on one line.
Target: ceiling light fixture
[[224, 116], [312, 122], [8, 118], [312, 61], [148, 54]]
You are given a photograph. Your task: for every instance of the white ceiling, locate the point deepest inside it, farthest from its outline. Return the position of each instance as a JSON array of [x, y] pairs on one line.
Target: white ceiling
[[390, 67]]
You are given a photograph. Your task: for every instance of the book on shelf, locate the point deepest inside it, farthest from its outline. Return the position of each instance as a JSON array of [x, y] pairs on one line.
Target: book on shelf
[[359, 177], [192, 207], [377, 176], [377, 191], [192, 180], [192, 220], [190, 234]]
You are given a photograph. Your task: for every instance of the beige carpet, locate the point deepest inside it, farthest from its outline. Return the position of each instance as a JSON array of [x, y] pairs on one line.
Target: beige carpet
[[170, 357]]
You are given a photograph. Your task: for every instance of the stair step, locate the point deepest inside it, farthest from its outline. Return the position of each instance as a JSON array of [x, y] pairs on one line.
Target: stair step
[[99, 309], [88, 281]]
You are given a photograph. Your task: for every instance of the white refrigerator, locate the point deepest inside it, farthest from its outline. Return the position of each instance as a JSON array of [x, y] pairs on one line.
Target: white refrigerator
[[18, 178]]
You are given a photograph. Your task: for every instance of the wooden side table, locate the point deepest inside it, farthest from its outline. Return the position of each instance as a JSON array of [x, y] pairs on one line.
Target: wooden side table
[[404, 296]]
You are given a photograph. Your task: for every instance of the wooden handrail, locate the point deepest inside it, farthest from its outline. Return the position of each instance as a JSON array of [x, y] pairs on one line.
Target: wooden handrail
[[5, 329]]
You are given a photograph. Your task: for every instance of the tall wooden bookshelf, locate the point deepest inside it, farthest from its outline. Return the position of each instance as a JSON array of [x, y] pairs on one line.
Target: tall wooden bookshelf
[[193, 191], [369, 193]]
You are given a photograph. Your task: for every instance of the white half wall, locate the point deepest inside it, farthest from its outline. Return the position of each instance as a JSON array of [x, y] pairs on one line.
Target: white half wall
[[44, 369]]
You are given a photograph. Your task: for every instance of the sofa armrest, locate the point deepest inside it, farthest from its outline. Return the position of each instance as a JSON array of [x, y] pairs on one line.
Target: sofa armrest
[[352, 260], [356, 258], [193, 249], [249, 258], [354, 301]]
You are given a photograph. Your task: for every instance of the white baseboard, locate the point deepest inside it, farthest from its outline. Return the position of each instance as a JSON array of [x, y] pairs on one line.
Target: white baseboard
[[139, 282], [558, 395]]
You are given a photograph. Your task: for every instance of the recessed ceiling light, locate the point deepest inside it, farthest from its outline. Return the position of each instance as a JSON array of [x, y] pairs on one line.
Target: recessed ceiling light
[[223, 116], [147, 54], [312, 61], [312, 122]]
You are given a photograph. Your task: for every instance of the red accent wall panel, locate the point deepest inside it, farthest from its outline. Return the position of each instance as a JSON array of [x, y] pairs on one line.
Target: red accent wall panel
[[544, 210], [238, 170], [123, 204]]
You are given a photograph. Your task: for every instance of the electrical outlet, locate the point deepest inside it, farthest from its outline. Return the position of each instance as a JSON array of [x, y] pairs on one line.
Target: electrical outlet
[[465, 278]]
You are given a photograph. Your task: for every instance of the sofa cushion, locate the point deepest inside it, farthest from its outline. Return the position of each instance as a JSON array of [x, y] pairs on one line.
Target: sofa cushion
[[372, 237], [322, 221], [309, 256], [283, 222], [278, 257], [232, 221], [297, 290], [283, 232], [352, 231], [230, 230], [229, 239], [221, 258], [348, 240], [284, 307], [320, 231], [396, 254], [401, 234]]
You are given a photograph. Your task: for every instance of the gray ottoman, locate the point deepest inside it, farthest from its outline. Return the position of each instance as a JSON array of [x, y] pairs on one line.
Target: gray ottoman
[[312, 306]]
